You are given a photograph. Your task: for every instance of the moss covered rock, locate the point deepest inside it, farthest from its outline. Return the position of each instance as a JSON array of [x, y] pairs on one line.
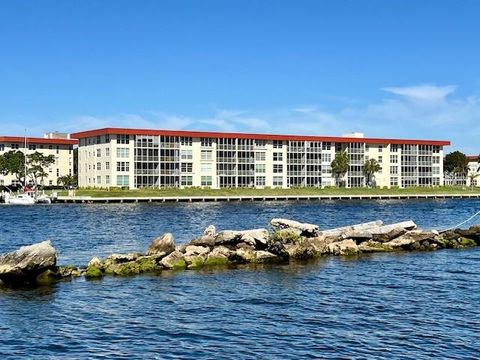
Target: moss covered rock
[[93, 272]]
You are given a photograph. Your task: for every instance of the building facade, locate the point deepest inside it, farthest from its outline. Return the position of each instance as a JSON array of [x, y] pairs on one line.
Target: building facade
[[60, 148], [473, 178], [136, 158]]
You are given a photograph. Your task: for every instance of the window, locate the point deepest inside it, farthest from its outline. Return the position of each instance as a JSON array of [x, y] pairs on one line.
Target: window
[[277, 144], [393, 148], [380, 148], [58, 172], [206, 142], [123, 180], [394, 159], [99, 166], [14, 146], [107, 165], [277, 181], [186, 154], [123, 166], [277, 168], [50, 182], [186, 141], [123, 152], [435, 170], [436, 159], [2, 147], [205, 168], [206, 181], [107, 152], [99, 152], [380, 158], [327, 158], [123, 139], [260, 168], [99, 180], [260, 181], [58, 148], [259, 156], [394, 181], [107, 179], [393, 170], [187, 180], [107, 138], [326, 146], [206, 155], [32, 147], [277, 156], [260, 143], [187, 167]]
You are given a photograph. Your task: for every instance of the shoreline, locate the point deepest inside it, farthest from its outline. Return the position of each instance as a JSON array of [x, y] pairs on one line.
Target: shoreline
[[247, 198]]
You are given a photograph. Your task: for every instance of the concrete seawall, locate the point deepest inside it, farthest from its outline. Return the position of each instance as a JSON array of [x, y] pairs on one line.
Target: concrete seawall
[[163, 199]]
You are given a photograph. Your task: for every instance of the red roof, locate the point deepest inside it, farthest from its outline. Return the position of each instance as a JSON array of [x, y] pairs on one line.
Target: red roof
[[32, 140], [472, 157], [209, 134]]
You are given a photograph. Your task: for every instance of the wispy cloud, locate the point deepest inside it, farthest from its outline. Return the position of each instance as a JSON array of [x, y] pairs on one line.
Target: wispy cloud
[[423, 111], [422, 93]]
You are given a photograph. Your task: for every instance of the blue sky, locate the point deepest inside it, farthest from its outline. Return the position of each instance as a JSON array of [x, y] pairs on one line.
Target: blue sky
[[386, 68]]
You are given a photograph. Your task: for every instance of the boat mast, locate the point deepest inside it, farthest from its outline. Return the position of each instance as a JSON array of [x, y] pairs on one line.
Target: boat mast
[[25, 161]]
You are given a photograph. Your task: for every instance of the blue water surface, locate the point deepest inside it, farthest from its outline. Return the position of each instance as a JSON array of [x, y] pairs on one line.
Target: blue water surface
[[418, 305]]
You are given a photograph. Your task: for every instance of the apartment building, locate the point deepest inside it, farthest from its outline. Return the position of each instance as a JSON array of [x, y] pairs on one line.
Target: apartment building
[[137, 158], [52, 144]]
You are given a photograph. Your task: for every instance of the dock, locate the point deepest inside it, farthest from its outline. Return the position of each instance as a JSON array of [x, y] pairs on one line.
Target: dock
[[190, 199]]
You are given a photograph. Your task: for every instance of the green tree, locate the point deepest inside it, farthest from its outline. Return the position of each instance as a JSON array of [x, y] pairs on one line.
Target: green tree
[[371, 167], [340, 166], [67, 181], [13, 163], [456, 163], [37, 166]]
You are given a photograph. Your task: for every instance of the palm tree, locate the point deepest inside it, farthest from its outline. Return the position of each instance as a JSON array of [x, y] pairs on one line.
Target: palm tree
[[472, 176], [340, 166], [370, 168]]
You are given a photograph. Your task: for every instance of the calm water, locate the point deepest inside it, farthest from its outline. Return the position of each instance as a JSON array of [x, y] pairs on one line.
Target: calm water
[[414, 305]]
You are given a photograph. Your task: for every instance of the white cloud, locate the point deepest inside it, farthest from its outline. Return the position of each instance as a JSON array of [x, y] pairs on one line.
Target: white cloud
[[424, 111], [422, 93]]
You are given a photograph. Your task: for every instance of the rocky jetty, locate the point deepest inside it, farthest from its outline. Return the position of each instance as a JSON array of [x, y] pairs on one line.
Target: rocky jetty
[[288, 241]]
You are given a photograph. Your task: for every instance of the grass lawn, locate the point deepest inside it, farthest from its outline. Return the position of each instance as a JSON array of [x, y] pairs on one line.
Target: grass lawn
[[115, 192]]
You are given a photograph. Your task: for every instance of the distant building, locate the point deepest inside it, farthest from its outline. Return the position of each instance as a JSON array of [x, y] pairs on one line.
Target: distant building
[[136, 158], [473, 169], [61, 148]]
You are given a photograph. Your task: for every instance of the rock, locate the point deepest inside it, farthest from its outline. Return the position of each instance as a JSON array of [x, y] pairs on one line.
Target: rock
[[255, 237], [244, 255], [286, 236], [472, 233], [387, 236], [400, 226], [307, 230], [69, 271], [218, 256], [410, 238], [210, 231], [122, 258], [308, 248], [262, 256], [358, 235], [95, 262], [345, 247], [162, 245], [93, 273], [357, 227], [373, 246], [277, 248], [196, 250], [204, 240], [24, 265], [174, 260], [195, 256]]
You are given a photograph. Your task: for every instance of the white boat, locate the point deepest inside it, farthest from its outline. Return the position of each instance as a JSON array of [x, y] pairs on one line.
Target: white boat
[[20, 199], [43, 199]]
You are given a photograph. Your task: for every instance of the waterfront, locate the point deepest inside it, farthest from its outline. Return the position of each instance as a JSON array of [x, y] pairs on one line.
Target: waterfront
[[419, 305]]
